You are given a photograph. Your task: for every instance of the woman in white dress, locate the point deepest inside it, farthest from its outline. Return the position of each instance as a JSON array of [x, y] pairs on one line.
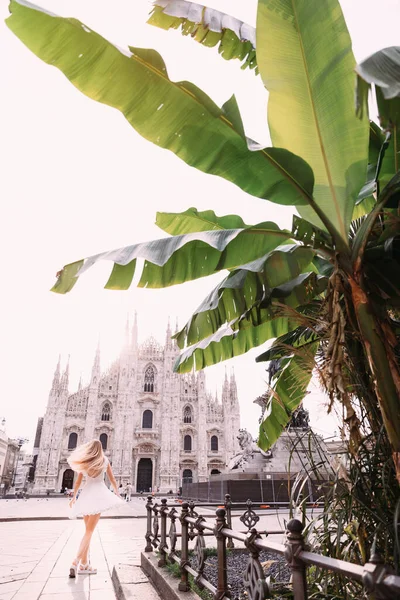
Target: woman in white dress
[[89, 461]]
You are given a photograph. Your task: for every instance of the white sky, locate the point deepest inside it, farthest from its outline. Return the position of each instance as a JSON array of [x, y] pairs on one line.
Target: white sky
[[77, 180]]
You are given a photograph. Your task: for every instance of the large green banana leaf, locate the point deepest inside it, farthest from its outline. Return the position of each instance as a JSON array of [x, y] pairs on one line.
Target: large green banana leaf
[[210, 27], [391, 192], [306, 62], [287, 393], [226, 343], [177, 116], [389, 114], [256, 326], [382, 69], [192, 220], [286, 344], [181, 258], [243, 290]]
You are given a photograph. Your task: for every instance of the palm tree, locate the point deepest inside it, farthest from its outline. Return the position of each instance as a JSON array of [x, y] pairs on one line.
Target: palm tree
[[327, 291]]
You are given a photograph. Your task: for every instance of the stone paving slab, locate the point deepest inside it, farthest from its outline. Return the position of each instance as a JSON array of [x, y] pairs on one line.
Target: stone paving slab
[[35, 558]]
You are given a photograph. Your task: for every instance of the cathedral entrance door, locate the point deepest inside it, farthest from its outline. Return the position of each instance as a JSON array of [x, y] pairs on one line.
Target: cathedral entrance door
[[144, 475], [68, 479]]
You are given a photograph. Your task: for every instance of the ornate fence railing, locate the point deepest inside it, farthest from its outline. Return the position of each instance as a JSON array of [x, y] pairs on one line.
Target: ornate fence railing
[[377, 578]]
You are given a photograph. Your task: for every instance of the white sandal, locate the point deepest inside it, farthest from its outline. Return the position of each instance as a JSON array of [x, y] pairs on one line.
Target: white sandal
[[73, 568], [87, 569]]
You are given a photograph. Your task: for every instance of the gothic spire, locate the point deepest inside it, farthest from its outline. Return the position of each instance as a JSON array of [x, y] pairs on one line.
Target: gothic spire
[[225, 389], [65, 378], [174, 341], [233, 387], [201, 376], [96, 366], [56, 377], [127, 332], [134, 340], [168, 340]]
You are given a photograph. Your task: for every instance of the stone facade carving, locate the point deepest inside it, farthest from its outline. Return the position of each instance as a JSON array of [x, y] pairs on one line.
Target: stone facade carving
[[141, 411]]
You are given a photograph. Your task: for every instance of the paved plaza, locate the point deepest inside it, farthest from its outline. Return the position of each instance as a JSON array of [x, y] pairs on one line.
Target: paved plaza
[[37, 546], [35, 555], [58, 508]]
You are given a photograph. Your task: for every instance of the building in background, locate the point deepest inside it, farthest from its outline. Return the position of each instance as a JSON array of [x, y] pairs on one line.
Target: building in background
[[22, 477], [157, 427], [3, 453], [10, 464], [36, 446]]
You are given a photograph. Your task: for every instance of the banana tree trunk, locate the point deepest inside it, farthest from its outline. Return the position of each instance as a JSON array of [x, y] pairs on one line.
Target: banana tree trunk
[[379, 341]]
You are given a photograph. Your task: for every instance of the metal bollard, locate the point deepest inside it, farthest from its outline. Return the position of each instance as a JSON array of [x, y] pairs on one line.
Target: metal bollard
[[228, 508], [149, 505], [294, 545], [184, 582], [222, 587], [163, 541]]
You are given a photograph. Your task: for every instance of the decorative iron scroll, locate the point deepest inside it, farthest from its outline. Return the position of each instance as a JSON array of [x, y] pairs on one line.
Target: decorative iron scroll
[[194, 515], [200, 551], [254, 581], [249, 517], [155, 527], [256, 585], [172, 531]]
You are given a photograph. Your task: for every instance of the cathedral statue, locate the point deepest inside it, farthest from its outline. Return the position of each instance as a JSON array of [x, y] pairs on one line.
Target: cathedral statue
[[249, 450], [245, 441]]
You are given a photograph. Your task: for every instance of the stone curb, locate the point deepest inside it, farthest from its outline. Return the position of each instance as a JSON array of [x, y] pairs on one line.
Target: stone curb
[[130, 583], [163, 581]]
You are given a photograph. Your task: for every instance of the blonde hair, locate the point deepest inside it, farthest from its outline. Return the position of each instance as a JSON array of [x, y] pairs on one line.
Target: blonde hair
[[88, 458]]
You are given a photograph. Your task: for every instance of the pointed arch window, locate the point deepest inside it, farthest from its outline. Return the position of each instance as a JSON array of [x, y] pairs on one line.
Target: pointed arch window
[[104, 440], [187, 414], [214, 443], [147, 420], [106, 412], [149, 379], [72, 441], [187, 443]]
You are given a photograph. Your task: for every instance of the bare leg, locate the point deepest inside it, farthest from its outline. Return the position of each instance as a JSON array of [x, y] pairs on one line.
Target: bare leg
[[90, 524]]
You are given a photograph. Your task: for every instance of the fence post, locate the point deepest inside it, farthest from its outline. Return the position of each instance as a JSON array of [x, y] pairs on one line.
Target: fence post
[[163, 541], [149, 503], [228, 508], [184, 582], [222, 587], [374, 575], [294, 545]]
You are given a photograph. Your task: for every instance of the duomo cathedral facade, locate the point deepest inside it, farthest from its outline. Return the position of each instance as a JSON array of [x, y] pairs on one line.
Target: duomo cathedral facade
[[158, 428]]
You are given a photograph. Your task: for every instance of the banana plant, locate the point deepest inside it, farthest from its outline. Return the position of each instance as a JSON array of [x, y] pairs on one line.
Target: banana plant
[[328, 290]]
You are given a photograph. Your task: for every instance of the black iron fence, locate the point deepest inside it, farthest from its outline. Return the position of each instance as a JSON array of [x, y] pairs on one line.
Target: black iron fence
[[377, 578]]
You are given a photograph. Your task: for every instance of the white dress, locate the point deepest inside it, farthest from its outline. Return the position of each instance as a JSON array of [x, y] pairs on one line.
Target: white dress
[[95, 496]]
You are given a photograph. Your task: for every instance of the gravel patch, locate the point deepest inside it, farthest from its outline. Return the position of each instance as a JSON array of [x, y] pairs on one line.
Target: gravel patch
[[274, 566]]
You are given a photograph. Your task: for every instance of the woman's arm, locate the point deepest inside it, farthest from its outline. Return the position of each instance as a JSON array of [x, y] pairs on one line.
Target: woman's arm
[[76, 487], [111, 477]]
